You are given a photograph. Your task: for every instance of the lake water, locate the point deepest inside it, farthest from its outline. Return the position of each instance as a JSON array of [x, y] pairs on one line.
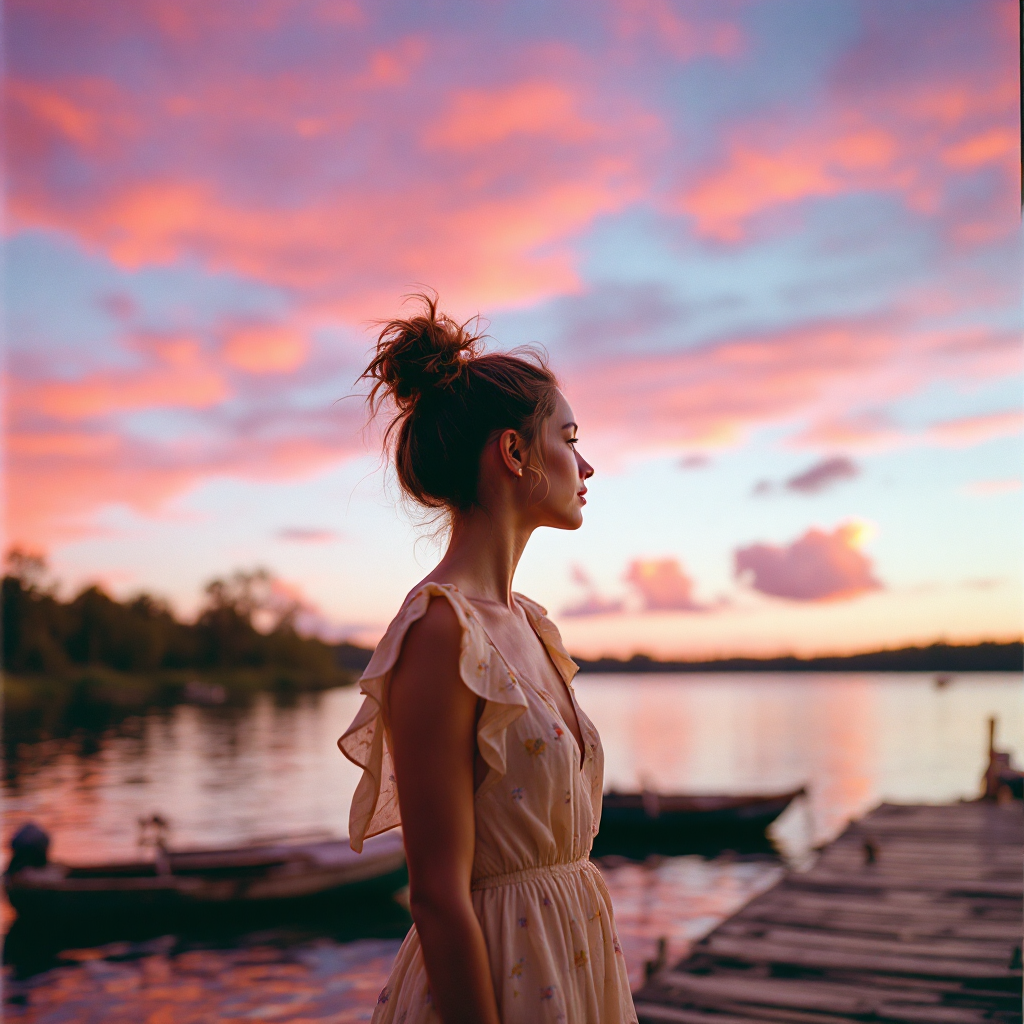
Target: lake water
[[223, 775]]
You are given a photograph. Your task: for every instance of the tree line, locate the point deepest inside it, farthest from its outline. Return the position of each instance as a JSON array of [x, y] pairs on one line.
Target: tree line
[[987, 656], [243, 623]]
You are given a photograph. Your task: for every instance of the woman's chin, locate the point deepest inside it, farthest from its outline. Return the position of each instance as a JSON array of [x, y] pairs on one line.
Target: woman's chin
[[567, 522], [562, 517]]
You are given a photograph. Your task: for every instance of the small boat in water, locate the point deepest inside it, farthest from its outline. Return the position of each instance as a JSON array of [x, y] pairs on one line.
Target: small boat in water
[[674, 823], [263, 876]]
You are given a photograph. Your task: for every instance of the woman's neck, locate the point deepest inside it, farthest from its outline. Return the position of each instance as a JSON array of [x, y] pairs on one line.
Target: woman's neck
[[483, 554]]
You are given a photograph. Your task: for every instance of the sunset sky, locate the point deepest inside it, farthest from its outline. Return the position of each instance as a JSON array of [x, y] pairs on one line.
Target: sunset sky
[[772, 247]]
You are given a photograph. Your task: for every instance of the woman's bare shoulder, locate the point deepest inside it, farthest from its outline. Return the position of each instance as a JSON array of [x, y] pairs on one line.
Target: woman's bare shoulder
[[432, 643], [426, 687]]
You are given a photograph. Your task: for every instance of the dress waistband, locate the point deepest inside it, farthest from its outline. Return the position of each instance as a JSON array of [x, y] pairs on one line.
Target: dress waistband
[[540, 871]]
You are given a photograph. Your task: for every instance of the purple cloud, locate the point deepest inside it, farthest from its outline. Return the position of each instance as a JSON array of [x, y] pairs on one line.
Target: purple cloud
[[818, 566], [593, 602], [307, 535], [823, 475]]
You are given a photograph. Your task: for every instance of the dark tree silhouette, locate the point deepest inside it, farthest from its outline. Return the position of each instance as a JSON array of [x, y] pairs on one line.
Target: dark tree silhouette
[[245, 623]]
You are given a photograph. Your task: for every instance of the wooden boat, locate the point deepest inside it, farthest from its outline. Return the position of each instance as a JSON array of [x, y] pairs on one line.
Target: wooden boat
[[261, 876], [674, 823]]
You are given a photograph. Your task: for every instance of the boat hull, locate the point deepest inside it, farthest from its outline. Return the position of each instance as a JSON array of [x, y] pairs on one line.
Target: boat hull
[[638, 824], [211, 881]]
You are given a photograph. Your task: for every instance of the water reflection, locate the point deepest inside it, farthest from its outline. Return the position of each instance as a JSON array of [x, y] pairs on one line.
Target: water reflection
[[853, 739], [275, 976], [225, 774]]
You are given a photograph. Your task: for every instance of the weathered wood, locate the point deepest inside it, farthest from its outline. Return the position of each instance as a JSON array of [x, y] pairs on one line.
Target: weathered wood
[[888, 926], [891, 863], [928, 933], [759, 997], [914, 913], [797, 994], [826, 956], [672, 1015], [894, 901], [743, 1015], [845, 881]]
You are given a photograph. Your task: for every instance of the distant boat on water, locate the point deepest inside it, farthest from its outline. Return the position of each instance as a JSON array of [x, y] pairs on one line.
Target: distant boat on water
[[263, 876], [673, 823]]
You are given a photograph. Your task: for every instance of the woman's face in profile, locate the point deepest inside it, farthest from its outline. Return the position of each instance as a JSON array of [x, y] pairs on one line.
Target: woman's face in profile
[[561, 496]]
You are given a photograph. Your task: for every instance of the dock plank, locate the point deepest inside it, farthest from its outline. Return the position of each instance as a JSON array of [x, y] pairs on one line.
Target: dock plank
[[927, 932], [888, 923], [824, 956], [940, 947]]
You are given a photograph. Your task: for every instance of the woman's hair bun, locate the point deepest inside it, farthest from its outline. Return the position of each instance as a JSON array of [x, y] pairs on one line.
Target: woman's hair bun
[[419, 354], [450, 397]]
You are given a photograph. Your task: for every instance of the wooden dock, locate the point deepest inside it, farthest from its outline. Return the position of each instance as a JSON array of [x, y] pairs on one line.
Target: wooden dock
[[912, 916]]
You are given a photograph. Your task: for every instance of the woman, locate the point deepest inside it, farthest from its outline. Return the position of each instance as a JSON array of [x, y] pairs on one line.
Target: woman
[[470, 735]]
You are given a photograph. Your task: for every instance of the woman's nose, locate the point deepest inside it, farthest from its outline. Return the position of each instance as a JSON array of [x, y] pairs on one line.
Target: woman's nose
[[585, 468]]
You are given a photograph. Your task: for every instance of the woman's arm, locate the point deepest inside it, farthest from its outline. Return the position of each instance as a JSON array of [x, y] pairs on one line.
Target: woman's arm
[[432, 718]]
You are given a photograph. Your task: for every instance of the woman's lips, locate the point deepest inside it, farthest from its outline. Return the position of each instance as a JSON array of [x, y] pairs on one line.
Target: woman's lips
[[579, 494]]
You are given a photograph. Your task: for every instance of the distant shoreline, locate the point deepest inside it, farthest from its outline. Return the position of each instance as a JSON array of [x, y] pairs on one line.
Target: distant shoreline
[[939, 657], [984, 657]]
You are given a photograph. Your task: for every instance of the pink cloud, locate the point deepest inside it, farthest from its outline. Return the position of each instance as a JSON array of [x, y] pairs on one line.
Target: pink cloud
[[913, 131], [46, 112], [358, 249], [992, 488], [992, 146], [659, 24], [851, 430], [58, 482], [397, 165], [483, 198], [308, 535], [477, 118], [592, 602], [183, 24], [177, 374], [68, 458], [711, 396], [877, 431], [266, 348], [819, 566], [755, 179], [971, 430], [72, 448], [663, 585]]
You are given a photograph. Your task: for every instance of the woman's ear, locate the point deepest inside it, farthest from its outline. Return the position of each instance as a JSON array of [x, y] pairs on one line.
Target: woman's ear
[[510, 447]]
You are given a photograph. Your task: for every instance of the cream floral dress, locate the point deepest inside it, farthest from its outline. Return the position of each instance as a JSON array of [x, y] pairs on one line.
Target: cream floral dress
[[543, 906]]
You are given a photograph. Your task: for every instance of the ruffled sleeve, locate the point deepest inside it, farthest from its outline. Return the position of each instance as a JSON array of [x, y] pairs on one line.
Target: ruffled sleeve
[[375, 804]]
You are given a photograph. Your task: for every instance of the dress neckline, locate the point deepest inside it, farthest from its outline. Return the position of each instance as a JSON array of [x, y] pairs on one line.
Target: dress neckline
[[517, 674]]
